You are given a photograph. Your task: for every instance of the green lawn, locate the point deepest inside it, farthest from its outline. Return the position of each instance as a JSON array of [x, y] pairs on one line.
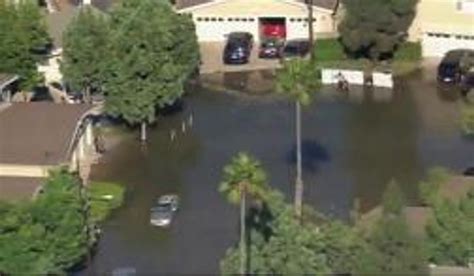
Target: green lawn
[[104, 197], [329, 53]]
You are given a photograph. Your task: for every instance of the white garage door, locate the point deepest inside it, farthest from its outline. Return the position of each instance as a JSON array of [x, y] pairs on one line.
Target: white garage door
[[438, 44], [216, 28]]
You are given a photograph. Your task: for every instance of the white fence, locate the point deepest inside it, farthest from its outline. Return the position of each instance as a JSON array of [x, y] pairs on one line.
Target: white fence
[[355, 77]]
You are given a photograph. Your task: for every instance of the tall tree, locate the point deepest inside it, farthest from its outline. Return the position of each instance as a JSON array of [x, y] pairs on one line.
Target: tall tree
[[391, 246], [85, 44], [243, 176], [23, 34], [298, 80], [153, 50], [374, 28]]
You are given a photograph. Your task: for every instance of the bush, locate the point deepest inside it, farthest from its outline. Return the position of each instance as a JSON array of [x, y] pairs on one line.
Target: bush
[[104, 197], [429, 189], [329, 50], [408, 51]]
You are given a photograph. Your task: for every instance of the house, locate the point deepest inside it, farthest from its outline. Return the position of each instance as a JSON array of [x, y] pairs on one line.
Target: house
[[443, 25], [214, 19], [38, 137], [6, 83]]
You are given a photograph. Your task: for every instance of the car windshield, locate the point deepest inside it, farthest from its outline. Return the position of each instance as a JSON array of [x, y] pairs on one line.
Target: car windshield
[[291, 49], [162, 207]]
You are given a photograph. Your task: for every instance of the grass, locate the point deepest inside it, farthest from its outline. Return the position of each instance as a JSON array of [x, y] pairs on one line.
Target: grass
[[408, 51], [329, 50], [329, 53], [104, 197]]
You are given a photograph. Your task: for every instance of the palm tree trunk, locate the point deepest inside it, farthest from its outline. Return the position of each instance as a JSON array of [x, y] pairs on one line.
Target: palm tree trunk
[[243, 248], [299, 171], [143, 132]]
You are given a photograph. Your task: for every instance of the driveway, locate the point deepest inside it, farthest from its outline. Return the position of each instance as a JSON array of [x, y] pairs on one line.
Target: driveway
[[211, 55]]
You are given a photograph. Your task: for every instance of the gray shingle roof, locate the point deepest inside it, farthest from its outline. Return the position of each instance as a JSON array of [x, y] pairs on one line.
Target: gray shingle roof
[[38, 133]]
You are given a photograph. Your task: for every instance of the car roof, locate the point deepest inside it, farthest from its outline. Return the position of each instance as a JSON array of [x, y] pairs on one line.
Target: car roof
[[456, 55]]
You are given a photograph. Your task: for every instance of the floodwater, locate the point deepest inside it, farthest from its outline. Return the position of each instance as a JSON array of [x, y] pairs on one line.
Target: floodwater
[[353, 143]]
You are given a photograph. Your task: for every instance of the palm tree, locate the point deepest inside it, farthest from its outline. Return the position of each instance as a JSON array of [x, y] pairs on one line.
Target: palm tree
[[297, 80], [243, 176]]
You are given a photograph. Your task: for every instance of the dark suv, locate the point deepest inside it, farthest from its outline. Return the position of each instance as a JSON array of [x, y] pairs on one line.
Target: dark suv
[[296, 48], [451, 68], [238, 48]]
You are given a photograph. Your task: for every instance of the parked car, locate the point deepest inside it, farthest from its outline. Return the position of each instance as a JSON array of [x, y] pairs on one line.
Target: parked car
[[467, 82], [469, 171], [451, 67], [270, 48], [238, 48], [162, 213], [296, 48]]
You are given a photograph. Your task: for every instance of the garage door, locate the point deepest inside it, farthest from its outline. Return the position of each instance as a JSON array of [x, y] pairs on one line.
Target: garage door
[[216, 28], [438, 44]]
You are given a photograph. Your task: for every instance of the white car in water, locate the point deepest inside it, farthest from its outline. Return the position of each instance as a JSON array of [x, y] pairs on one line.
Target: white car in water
[[162, 213]]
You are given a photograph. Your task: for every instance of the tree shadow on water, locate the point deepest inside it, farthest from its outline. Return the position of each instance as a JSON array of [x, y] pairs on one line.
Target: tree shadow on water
[[313, 154]]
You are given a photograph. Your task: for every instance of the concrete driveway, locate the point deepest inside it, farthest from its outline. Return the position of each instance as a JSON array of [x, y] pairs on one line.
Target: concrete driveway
[[211, 55]]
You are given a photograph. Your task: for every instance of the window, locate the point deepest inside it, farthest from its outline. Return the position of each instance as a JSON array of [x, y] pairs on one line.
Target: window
[[292, 20], [199, 19], [230, 19], [220, 19], [465, 6], [251, 19], [206, 19], [213, 19], [299, 20], [244, 19]]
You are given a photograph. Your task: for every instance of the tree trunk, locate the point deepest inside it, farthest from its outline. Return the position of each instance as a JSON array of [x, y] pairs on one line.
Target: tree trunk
[[310, 29], [87, 94], [299, 171], [143, 132], [243, 242]]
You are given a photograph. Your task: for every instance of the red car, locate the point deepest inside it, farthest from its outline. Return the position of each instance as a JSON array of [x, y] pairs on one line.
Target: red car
[[274, 30]]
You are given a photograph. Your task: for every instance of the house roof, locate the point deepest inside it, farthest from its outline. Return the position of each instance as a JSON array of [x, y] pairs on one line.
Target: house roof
[[19, 188], [6, 79], [38, 133], [326, 4], [416, 217]]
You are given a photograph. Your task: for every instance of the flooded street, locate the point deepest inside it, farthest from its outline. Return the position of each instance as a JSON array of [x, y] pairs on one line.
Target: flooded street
[[353, 145]]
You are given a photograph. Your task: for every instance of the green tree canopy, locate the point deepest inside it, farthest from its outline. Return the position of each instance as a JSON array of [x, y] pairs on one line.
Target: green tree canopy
[[450, 239], [46, 235], [85, 45], [153, 51], [374, 28], [281, 245], [391, 246], [23, 34]]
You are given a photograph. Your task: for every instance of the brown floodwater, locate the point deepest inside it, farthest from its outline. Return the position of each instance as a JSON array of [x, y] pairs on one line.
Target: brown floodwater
[[353, 145]]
